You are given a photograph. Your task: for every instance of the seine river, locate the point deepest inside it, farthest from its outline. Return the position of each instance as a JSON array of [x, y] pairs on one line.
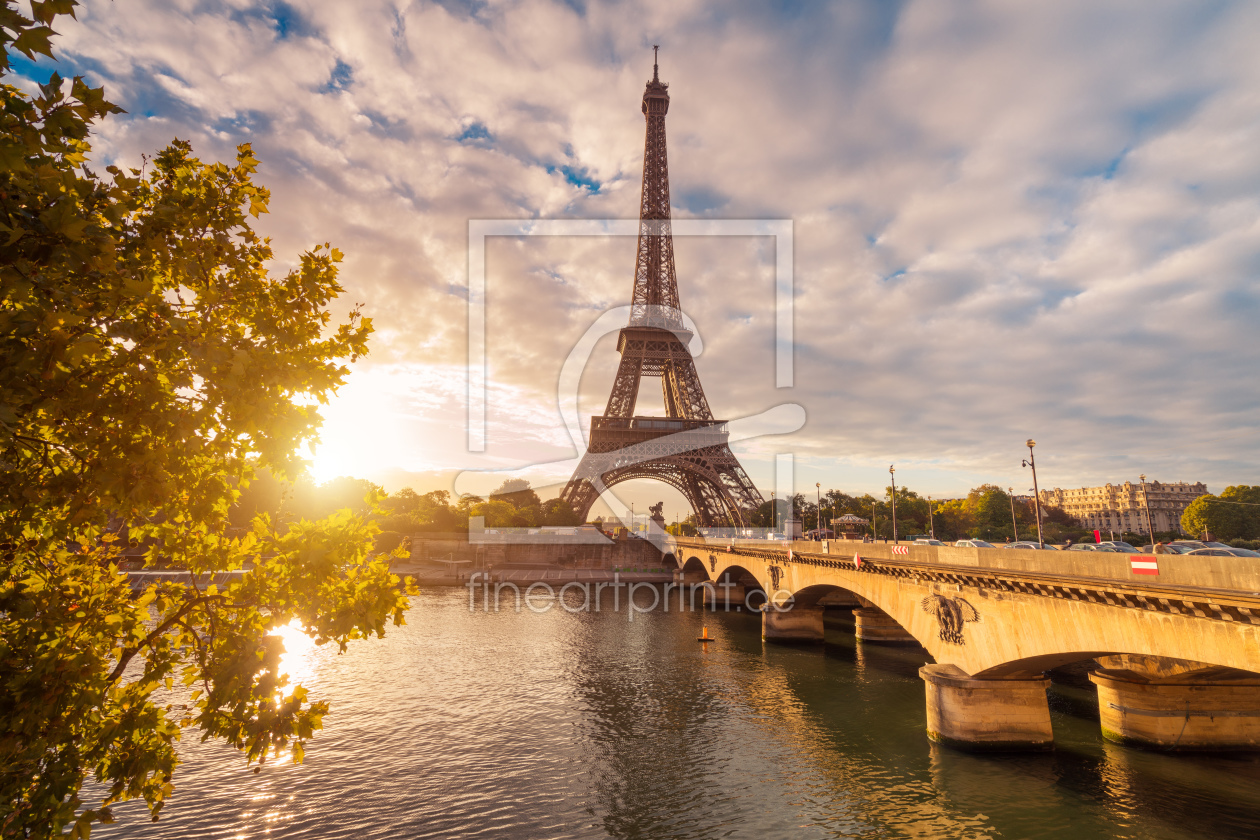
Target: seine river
[[507, 725]]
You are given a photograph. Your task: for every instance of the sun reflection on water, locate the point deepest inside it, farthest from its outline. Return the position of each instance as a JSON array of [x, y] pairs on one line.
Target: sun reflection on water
[[298, 660]]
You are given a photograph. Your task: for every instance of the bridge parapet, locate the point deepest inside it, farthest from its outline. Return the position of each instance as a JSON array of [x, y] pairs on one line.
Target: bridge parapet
[[1227, 574]]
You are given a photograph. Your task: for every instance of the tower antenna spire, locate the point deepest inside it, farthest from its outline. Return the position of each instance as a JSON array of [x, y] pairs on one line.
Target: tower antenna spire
[[687, 448]]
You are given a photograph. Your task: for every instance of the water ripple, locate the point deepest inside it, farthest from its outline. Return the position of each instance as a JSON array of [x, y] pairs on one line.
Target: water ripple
[[507, 725]]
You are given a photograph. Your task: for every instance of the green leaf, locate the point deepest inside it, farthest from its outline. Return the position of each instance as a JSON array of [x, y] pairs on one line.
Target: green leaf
[[35, 41]]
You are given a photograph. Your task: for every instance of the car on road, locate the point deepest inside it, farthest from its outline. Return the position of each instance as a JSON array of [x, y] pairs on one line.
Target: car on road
[[1170, 548], [928, 541], [974, 544], [1227, 551], [1024, 544]]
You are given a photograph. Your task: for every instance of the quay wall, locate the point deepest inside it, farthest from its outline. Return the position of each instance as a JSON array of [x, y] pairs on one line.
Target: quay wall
[[555, 551]]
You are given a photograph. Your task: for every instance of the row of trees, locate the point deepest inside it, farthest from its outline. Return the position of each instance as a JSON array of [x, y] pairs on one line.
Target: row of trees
[[987, 512], [514, 504], [1233, 515]]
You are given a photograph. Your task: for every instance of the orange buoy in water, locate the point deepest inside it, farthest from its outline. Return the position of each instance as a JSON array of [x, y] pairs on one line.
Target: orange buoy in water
[[705, 637]]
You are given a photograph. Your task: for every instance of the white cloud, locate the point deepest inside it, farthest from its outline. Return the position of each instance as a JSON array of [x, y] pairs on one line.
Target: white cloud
[[1011, 220]]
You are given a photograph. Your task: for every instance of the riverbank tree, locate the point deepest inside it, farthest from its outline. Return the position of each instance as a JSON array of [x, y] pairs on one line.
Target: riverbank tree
[[1233, 515], [151, 366]]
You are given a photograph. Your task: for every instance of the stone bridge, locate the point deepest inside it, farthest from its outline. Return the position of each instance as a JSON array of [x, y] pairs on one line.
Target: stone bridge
[[1178, 647]]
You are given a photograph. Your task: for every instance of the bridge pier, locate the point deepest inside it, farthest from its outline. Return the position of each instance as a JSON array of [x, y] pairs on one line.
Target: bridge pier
[[798, 624], [1169, 704], [725, 597], [986, 715], [872, 624]]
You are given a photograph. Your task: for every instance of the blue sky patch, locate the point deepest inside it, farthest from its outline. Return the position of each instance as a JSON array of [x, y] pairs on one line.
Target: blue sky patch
[[342, 77], [40, 71], [577, 177], [476, 134], [699, 200]]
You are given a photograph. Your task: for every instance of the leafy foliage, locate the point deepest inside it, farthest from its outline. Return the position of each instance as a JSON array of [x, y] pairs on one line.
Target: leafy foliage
[[1233, 515], [150, 366]]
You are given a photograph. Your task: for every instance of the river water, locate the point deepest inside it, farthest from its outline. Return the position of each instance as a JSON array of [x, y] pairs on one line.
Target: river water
[[567, 725]]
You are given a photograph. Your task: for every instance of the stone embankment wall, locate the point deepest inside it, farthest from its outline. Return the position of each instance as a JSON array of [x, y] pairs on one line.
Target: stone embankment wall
[[614, 554]]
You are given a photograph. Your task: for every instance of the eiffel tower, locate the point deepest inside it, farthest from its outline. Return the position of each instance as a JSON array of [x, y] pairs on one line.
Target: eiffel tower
[[687, 448]]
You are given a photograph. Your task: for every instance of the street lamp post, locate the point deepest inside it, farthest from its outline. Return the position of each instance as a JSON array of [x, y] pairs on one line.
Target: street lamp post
[[1147, 504], [892, 470], [1014, 524], [1032, 462], [874, 536], [818, 509], [774, 513], [931, 520]]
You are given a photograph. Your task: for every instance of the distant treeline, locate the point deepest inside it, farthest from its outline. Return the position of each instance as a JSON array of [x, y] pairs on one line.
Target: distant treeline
[[987, 512], [513, 504]]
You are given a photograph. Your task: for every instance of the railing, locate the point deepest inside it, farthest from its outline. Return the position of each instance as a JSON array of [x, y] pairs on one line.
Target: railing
[[1238, 580]]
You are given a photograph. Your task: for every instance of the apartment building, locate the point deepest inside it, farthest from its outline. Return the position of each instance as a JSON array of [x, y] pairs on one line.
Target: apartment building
[[1122, 508]]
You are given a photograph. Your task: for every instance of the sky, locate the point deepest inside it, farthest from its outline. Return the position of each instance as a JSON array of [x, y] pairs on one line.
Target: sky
[[1009, 220]]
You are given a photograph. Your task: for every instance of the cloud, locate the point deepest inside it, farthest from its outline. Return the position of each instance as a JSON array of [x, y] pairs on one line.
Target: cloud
[[1010, 220]]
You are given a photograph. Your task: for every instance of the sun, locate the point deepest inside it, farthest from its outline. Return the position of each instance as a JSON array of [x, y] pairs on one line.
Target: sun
[[390, 418]]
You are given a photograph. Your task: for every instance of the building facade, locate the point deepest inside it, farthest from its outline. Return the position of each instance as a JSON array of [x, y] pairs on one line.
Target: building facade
[[1122, 508]]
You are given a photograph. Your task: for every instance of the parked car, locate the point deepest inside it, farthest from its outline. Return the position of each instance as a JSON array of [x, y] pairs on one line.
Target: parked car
[[1169, 548], [1191, 544], [928, 541], [1028, 545], [1121, 545], [1227, 551], [1093, 547], [974, 544]]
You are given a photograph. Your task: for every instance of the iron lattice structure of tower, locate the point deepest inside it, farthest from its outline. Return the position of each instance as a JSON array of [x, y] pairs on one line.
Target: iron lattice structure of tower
[[687, 448]]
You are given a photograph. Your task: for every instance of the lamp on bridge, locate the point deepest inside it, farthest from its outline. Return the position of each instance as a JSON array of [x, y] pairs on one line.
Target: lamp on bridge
[[1032, 462], [1147, 504], [818, 509], [892, 470], [1014, 525]]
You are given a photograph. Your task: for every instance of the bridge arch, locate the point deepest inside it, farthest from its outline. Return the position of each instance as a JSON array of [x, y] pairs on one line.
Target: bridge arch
[[1147, 665], [811, 596], [695, 566]]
